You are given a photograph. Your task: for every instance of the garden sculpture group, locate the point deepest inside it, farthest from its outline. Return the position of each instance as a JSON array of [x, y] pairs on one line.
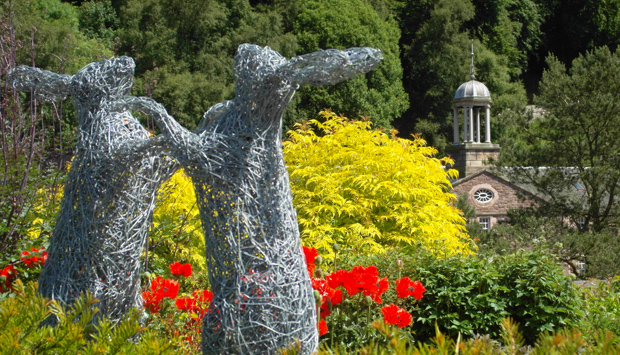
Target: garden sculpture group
[[263, 299]]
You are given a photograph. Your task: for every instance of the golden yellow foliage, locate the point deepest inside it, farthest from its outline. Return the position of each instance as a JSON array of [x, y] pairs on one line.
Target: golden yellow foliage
[[44, 212], [367, 190], [177, 233]]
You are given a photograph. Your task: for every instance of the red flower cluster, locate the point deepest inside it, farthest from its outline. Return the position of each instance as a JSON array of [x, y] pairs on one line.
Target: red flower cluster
[[160, 289], [395, 315], [310, 254], [181, 269], [330, 296], [197, 304], [9, 274], [405, 288], [322, 327], [39, 257], [360, 279]]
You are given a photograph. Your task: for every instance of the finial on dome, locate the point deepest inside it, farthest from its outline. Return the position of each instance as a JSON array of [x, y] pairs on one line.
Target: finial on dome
[[471, 72]]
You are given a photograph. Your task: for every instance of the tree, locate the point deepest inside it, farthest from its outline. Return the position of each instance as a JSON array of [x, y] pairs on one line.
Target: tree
[[48, 36], [368, 190], [574, 147], [572, 151], [322, 24], [510, 28], [98, 19], [436, 59], [184, 49]]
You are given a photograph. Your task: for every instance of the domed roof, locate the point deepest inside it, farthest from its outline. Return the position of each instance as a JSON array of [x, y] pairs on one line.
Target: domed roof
[[472, 90]]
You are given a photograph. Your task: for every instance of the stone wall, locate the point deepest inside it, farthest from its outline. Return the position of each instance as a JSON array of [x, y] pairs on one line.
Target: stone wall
[[506, 195], [469, 158]]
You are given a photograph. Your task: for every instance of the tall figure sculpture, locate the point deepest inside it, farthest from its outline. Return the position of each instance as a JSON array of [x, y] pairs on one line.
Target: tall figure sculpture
[[109, 195], [262, 295]]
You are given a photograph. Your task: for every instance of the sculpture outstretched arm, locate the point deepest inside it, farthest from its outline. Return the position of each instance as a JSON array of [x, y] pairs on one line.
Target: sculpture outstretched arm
[[328, 67], [176, 137], [133, 152], [164, 121], [45, 84]]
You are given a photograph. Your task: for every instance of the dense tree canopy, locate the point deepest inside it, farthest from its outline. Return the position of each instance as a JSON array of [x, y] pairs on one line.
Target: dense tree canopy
[[184, 49], [47, 34], [380, 93], [573, 147]]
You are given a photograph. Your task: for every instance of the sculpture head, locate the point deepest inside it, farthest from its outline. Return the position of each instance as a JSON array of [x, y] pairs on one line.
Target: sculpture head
[[261, 72], [105, 79], [254, 67]]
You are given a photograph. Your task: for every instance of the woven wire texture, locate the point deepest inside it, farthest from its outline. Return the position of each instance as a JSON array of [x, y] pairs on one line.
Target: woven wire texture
[[109, 195], [263, 299]]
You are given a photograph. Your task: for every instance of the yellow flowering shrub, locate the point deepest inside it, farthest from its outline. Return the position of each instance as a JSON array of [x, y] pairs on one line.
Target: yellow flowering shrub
[[368, 190], [46, 204], [44, 212], [177, 233]]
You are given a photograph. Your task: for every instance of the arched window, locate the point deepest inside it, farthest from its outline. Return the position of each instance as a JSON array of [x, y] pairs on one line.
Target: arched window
[[483, 195]]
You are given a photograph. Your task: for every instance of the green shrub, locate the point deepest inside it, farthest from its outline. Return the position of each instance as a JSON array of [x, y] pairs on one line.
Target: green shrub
[[602, 307], [565, 342], [472, 294], [21, 316]]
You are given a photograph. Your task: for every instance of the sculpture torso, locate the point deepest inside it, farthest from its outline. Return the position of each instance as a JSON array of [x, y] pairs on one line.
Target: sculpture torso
[[108, 198], [254, 256]]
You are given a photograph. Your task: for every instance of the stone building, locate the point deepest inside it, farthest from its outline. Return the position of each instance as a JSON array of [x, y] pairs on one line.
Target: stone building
[[490, 194]]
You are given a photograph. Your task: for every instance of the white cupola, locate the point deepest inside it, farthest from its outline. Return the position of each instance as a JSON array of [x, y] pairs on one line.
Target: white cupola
[[472, 150], [470, 100]]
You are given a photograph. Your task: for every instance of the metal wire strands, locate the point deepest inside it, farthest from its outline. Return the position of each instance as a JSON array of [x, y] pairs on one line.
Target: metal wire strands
[[110, 191], [262, 294]]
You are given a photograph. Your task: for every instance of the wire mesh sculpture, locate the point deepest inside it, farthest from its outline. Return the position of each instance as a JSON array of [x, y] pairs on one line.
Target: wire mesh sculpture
[[262, 293], [109, 195]]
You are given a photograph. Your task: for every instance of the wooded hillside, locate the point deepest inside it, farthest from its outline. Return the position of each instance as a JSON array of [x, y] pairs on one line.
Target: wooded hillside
[[184, 48]]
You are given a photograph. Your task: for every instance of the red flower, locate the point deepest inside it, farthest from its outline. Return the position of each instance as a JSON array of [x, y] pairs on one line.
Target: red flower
[[360, 279], [375, 291], [204, 296], [310, 254], [185, 303], [395, 315], [165, 287], [405, 288], [9, 274], [331, 297], [322, 327], [337, 278], [152, 301], [160, 288], [38, 259], [181, 269], [197, 304]]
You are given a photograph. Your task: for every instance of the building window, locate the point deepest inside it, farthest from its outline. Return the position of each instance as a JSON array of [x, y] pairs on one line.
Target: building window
[[581, 222], [485, 222], [581, 267], [483, 195]]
